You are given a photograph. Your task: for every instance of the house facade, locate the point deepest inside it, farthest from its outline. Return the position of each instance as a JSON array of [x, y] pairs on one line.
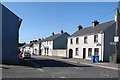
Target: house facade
[[10, 36], [93, 40], [36, 47], [55, 41]]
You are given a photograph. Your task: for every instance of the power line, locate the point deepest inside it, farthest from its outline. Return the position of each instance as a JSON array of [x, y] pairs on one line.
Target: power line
[[106, 14]]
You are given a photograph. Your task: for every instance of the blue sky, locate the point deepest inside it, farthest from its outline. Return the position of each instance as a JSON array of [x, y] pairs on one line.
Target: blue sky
[[40, 19]]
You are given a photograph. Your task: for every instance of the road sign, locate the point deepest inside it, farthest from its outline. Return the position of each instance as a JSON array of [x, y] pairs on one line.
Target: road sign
[[116, 39], [112, 43]]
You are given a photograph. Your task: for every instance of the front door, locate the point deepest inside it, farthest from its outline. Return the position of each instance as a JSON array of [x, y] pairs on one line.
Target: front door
[[84, 53], [70, 53]]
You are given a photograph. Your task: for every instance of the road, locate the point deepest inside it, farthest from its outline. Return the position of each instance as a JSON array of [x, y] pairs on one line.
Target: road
[[50, 68]]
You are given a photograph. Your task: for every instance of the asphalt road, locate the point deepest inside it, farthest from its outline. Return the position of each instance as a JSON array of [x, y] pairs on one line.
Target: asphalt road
[[50, 68]]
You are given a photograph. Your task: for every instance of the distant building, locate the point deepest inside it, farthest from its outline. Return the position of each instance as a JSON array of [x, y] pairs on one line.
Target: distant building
[[10, 35], [36, 48], [93, 40], [55, 41]]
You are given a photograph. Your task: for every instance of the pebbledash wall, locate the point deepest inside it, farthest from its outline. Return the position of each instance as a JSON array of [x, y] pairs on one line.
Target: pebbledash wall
[[10, 35], [59, 52]]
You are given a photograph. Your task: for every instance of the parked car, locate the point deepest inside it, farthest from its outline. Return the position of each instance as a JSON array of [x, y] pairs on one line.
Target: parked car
[[26, 55]]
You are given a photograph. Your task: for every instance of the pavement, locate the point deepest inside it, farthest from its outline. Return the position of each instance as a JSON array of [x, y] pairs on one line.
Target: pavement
[[86, 62]]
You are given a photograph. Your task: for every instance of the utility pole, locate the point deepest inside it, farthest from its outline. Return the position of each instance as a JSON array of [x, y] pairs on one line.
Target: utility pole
[[116, 38]]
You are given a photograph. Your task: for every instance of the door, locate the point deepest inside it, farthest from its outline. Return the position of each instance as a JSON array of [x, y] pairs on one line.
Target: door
[[70, 53], [84, 53]]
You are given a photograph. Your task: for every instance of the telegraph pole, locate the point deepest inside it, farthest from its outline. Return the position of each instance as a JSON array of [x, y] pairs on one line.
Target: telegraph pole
[[116, 38]]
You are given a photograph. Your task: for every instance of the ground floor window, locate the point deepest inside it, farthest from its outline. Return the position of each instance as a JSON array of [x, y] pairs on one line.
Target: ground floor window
[[89, 52], [76, 51], [96, 51]]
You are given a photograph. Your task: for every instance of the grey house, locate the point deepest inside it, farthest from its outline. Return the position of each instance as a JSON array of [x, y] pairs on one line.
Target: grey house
[[55, 41], [9, 35]]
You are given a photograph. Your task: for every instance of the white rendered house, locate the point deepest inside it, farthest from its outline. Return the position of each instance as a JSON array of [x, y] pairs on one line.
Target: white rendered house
[[93, 40], [55, 41]]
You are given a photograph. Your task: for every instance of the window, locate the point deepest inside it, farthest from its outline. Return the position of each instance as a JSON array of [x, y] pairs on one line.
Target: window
[[85, 39], [49, 42], [76, 51], [77, 40], [71, 41], [96, 51], [95, 38], [89, 52]]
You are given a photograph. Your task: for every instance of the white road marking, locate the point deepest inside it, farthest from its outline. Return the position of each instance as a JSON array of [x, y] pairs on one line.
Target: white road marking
[[40, 69], [62, 77], [76, 67]]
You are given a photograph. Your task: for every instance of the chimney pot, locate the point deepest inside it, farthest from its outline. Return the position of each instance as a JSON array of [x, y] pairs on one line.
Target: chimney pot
[[62, 32], [53, 33], [79, 27], [94, 23]]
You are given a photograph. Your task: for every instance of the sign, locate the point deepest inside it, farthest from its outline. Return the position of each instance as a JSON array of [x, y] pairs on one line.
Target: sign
[[116, 39], [112, 43]]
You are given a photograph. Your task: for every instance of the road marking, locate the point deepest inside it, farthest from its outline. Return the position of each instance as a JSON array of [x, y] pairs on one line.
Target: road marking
[[40, 69], [62, 77], [76, 68], [105, 74]]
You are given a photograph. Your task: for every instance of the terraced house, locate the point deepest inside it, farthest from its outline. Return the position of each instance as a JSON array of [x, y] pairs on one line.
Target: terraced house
[[94, 40], [55, 41]]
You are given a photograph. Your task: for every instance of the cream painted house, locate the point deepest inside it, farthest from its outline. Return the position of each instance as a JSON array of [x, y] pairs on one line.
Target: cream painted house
[[93, 40]]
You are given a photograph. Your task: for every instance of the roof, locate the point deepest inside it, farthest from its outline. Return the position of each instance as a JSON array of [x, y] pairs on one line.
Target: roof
[[55, 36], [93, 30]]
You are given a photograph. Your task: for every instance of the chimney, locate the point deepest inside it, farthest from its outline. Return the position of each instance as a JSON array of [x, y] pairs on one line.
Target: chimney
[[62, 32], [53, 33], [94, 23], [79, 27], [39, 39], [31, 41]]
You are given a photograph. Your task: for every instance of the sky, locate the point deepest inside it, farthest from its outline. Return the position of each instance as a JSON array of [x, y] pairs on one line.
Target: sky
[[40, 19]]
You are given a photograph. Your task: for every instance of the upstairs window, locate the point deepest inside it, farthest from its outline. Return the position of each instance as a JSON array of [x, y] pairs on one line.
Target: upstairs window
[[77, 40], [95, 38], [71, 41], [85, 39]]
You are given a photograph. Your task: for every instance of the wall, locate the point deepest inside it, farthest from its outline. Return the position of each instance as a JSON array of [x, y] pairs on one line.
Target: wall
[[0, 34], [90, 44], [10, 33], [109, 37], [61, 42], [59, 52]]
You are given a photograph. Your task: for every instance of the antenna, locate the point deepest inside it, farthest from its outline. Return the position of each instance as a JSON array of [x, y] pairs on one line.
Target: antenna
[[61, 28]]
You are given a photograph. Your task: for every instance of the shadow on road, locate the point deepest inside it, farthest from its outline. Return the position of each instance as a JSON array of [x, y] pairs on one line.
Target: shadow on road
[[39, 63], [55, 63]]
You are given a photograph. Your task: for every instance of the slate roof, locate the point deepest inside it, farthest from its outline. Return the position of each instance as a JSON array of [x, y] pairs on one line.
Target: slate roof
[[55, 36], [93, 30]]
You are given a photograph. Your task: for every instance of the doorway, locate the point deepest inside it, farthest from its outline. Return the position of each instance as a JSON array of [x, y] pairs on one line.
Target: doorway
[[84, 53], [70, 53]]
